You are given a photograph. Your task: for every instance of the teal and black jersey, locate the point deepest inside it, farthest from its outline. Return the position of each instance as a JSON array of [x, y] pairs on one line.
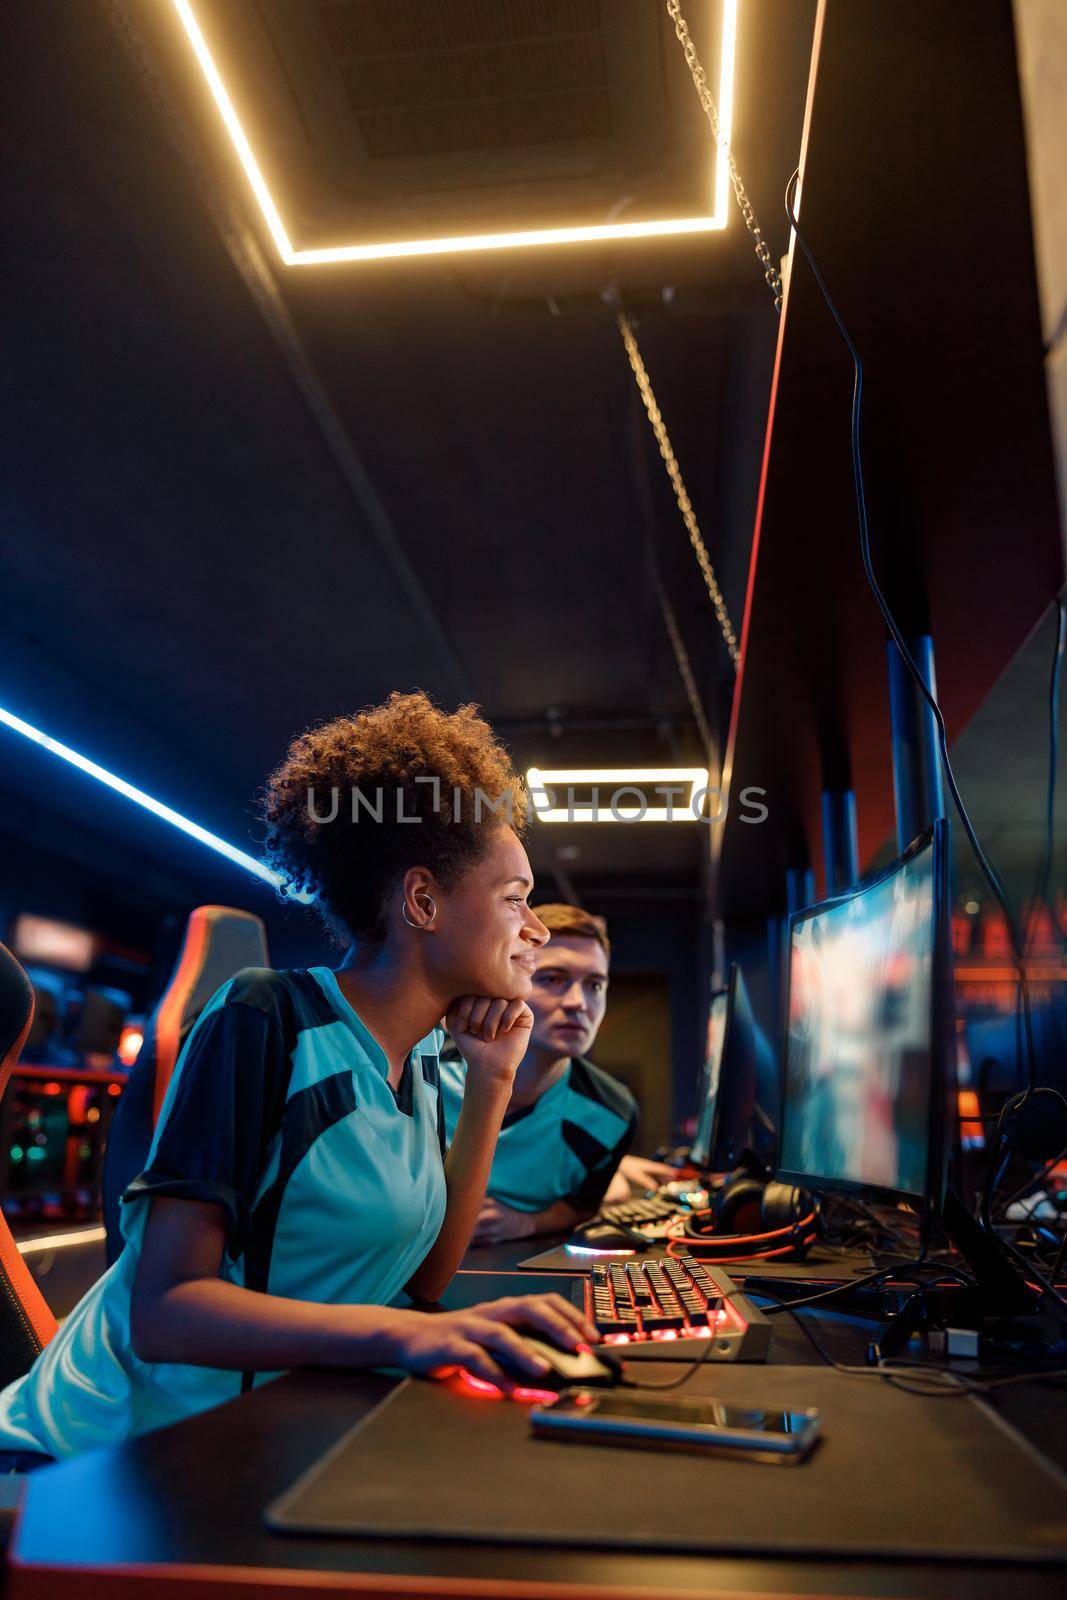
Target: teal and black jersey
[[331, 1184], [564, 1146]]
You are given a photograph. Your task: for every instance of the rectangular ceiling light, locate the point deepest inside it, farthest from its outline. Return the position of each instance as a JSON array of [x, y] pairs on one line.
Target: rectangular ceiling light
[[383, 250], [619, 794]]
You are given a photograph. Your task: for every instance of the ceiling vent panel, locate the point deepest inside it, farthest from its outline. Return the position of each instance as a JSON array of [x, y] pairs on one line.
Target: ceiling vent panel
[[423, 77]]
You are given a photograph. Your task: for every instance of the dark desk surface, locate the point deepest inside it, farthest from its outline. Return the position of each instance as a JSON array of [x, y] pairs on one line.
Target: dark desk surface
[[505, 1257], [179, 1512]]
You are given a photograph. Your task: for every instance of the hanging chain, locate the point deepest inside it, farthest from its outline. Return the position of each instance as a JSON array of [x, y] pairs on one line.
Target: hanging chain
[[692, 60], [685, 505]]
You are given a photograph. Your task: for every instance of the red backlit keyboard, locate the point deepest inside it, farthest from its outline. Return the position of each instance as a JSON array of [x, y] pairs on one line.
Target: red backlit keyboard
[[675, 1311]]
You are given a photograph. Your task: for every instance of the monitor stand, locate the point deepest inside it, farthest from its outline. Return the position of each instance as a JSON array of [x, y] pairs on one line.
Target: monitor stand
[[1001, 1289]]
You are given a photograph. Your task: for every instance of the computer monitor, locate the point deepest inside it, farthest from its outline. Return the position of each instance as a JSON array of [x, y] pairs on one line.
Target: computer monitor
[[868, 1032], [730, 1119], [718, 1010]]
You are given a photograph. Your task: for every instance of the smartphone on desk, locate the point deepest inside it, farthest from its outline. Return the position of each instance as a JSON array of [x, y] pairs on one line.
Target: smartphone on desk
[[710, 1427]]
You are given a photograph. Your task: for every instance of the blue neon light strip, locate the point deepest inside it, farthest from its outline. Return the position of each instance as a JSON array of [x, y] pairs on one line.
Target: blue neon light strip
[[588, 1250], [138, 796]]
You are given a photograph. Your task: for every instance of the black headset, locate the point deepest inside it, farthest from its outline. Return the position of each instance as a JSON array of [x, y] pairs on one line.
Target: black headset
[[750, 1219]]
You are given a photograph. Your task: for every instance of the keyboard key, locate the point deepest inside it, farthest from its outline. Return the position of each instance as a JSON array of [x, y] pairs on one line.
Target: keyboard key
[[654, 1320], [642, 1290]]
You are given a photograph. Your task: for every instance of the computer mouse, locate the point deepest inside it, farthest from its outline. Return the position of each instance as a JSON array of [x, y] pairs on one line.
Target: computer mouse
[[608, 1236], [593, 1369]]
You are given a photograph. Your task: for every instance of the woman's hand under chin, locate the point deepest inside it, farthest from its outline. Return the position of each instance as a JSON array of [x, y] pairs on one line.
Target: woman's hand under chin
[[492, 1036]]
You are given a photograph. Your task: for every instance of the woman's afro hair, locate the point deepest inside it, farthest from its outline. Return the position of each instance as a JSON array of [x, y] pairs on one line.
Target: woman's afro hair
[[331, 808]]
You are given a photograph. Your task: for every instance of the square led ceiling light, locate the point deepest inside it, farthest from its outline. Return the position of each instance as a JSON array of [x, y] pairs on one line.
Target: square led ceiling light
[[383, 250]]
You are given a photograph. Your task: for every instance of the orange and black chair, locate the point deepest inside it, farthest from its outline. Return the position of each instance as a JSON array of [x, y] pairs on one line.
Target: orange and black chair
[[219, 942], [26, 1323]]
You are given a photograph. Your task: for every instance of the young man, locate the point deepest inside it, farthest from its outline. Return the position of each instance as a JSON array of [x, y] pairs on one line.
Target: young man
[[568, 1124]]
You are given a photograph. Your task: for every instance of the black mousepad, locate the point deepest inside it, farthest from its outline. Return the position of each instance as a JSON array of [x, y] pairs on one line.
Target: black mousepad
[[819, 1262], [895, 1474], [560, 1259]]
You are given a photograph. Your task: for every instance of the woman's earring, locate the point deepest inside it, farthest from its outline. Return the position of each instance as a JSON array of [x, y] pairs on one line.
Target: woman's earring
[[420, 926]]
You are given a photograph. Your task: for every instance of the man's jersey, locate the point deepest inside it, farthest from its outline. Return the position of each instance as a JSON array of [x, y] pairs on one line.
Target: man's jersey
[[564, 1146], [330, 1182]]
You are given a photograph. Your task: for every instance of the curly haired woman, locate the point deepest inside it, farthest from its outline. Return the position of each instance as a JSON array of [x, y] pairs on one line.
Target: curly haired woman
[[298, 1180]]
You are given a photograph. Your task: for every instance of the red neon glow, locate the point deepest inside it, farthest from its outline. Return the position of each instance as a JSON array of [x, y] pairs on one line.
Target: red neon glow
[[972, 1129], [52, 1088], [130, 1041], [697, 1251], [699, 1331], [479, 1386], [465, 1382]]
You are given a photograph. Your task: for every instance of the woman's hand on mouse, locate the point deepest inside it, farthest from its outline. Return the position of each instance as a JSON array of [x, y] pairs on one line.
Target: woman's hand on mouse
[[491, 1035], [470, 1339]]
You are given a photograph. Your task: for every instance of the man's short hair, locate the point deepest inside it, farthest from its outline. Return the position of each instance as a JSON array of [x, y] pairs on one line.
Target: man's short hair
[[571, 922]]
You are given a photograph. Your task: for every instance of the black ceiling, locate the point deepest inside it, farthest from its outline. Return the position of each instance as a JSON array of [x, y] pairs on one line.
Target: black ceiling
[[190, 574]]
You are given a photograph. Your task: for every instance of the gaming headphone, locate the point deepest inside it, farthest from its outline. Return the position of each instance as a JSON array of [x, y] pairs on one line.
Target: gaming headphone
[[749, 1219]]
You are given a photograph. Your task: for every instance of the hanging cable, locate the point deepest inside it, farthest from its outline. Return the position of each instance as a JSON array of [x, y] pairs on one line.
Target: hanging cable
[[988, 868], [692, 60], [681, 657], [685, 505], [1000, 1150], [1041, 887]]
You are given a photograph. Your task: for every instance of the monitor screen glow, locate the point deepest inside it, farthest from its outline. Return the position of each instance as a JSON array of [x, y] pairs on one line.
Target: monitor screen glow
[[859, 1047], [700, 1150]]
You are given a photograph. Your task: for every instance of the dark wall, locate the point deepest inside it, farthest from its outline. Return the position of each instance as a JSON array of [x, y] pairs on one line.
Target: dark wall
[[672, 941]]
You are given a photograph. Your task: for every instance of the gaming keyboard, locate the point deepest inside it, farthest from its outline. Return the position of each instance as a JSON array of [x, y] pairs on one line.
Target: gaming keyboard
[[675, 1311], [633, 1213]]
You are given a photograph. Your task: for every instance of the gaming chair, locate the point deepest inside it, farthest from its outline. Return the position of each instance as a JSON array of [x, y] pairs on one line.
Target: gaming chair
[[26, 1323], [219, 942]]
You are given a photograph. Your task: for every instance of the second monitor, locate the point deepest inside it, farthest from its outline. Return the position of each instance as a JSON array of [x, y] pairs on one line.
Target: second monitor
[[866, 1029], [737, 1085]]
